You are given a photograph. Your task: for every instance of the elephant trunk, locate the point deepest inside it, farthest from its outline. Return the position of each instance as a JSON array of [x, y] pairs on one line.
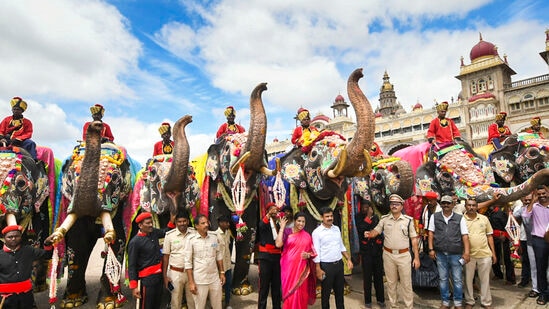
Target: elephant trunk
[[512, 194], [255, 144], [177, 175], [85, 200], [404, 171], [349, 164]]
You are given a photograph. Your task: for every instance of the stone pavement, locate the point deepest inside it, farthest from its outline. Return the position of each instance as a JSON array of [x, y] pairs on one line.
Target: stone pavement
[[504, 296]]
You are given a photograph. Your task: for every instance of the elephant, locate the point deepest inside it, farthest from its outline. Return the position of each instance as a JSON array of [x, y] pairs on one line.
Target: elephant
[[390, 175], [96, 185], [520, 156], [457, 170], [25, 200], [164, 172], [321, 177], [233, 170]]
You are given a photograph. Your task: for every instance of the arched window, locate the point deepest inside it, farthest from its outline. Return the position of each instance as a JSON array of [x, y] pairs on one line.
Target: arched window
[[473, 87]]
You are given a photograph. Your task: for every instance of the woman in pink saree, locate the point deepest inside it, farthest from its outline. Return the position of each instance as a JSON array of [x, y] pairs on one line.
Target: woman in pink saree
[[297, 267]]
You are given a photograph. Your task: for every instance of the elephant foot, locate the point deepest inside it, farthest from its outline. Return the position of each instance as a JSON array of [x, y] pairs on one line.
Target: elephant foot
[[73, 300], [111, 302], [244, 289]]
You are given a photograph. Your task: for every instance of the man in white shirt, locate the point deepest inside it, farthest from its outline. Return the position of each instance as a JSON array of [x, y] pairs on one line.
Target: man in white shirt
[[329, 265]]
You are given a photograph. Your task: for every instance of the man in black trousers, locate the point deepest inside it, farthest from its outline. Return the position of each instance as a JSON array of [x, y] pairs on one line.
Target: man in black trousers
[[269, 259]]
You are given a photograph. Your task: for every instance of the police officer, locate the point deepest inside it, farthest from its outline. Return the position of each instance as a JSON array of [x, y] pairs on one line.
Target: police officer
[[398, 229]]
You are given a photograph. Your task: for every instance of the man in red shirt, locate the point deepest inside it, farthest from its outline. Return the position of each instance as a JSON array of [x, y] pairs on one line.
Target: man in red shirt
[[305, 134], [498, 131], [165, 146], [229, 127], [442, 130], [97, 112], [536, 127], [16, 130]]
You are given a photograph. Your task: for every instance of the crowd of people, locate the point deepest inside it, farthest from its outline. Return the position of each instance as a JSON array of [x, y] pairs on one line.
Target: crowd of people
[[469, 244]]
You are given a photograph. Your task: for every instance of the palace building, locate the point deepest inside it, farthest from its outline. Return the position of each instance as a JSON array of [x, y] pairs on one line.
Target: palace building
[[487, 88]]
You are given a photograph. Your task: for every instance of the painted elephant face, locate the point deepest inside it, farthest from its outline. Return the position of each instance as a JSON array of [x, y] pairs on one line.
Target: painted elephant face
[[114, 182], [24, 187], [531, 160], [152, 195], [309, 170]]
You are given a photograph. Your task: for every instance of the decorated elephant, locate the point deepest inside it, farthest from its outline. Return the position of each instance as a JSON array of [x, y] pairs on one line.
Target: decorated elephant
[[96, 183], [390, 175], [519, 158], [233, 170], [455, 169], [166, 185], [25, 199], [320, 177]]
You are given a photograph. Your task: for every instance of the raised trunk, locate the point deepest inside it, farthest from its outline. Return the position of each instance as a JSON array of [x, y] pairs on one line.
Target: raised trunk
[[365, 129], [177, 176], [257, 131], [85, 200]]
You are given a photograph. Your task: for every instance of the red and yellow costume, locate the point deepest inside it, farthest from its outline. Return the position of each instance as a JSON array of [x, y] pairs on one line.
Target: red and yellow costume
[[442, 130], [106, 133], [304, 136], [496, 133], [163, 147], [227, 128], [20, 129], [536, 121]]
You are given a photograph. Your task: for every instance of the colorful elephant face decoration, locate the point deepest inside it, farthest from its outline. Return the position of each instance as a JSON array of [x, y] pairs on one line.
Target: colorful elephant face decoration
[[114, 182], [153, 197], [25, 185]]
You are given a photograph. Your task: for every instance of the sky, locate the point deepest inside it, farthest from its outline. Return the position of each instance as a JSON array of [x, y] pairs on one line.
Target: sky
[[151, 61]]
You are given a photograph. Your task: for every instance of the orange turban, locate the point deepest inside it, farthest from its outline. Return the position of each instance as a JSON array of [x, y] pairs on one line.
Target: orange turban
[[18, 102]]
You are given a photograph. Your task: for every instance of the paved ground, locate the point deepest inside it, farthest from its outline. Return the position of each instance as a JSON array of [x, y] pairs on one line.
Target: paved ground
[[504, 296]]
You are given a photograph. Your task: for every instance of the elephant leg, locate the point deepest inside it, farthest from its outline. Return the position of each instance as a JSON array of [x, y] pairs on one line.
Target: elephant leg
[[244, 249], [80, 240]]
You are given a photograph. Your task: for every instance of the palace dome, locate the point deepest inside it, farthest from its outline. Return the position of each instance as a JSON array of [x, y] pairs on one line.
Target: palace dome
[[483, 48]]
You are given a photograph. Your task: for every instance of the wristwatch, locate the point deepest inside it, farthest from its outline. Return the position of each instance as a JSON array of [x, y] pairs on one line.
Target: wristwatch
[[222, 272]]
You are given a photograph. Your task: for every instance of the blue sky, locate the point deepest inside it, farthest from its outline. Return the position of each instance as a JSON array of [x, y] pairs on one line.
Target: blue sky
[[153, 61]]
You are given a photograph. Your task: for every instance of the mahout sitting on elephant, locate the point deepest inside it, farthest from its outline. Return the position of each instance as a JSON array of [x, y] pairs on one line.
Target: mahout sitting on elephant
[[96, 183], [233, 170]]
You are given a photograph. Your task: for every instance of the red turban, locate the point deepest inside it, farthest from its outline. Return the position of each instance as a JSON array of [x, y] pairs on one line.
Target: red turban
[[10, 228], [431, 195], [142, 216]]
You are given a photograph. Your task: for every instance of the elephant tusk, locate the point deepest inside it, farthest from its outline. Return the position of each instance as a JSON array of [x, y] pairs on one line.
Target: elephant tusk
[[334, 173], [110, 234], [10, 219], [241, 160], [268, 172], [60, 232]]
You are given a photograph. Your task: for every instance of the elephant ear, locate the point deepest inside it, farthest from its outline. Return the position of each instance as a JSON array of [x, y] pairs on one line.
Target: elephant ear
[[292, 169], [503, 165], [212, 162], [361, 187]]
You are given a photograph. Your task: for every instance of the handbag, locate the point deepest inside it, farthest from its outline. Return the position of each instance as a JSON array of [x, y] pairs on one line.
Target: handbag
[[426, 276]]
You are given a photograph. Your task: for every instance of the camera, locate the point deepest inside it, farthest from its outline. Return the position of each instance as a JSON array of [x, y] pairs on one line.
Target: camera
[[170, 286]]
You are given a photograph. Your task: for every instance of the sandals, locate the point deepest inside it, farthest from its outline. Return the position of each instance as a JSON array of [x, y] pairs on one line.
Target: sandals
[[541, 300], [533, 294]]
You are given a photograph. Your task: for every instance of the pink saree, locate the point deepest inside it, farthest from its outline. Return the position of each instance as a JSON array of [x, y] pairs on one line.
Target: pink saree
[[297, 274]]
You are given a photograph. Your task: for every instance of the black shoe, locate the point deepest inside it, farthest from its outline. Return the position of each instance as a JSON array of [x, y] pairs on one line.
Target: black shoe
[[533, 294], [381, 304]]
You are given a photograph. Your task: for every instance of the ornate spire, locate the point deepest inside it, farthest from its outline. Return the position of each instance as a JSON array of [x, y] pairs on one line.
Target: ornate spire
[[480, 36]]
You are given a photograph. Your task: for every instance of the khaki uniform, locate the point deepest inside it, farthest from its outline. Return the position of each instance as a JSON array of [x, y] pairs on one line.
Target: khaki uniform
[[201, 256], [174, 246], [397, 263]]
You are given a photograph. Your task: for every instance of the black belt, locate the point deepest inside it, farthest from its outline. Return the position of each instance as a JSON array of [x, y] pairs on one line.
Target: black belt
[[329, 263]]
